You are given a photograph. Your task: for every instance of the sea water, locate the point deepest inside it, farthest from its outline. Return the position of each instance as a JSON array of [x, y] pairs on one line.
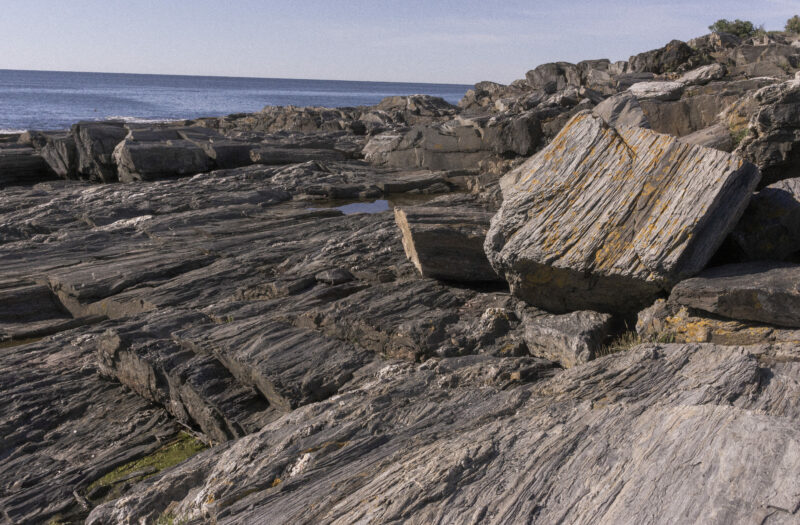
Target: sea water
[[55, 100]]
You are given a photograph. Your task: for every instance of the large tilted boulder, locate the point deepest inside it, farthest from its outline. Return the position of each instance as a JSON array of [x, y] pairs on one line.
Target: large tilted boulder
[[606, 219], [445, 242], [761, 291]]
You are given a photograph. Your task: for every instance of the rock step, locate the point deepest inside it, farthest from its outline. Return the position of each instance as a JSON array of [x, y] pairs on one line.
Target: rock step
[[196, 389], [289, 366]]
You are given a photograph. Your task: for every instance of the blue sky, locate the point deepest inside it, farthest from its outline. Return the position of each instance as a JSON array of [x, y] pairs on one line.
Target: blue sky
[[417, 41]]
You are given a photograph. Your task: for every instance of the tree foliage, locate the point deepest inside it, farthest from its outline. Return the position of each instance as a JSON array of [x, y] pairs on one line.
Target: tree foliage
[[740, 28], [793, 24]]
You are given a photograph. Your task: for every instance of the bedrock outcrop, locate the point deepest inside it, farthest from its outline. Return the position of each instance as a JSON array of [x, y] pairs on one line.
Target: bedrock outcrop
[[290, 316]]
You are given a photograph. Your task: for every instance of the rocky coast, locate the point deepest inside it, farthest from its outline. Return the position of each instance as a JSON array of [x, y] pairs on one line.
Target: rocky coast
[[574, 298]]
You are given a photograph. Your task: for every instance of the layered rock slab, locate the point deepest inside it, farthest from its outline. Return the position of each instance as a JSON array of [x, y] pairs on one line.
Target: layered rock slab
[[606, 219], [761, 291], [446, 242]]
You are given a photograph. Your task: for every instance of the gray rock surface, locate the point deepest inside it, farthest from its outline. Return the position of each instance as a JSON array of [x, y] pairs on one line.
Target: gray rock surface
[[574, 234], [398, 445], [762, 291]]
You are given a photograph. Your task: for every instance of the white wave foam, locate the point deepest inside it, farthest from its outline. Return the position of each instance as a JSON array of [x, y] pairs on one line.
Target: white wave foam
[[4, 131], [137, 120]]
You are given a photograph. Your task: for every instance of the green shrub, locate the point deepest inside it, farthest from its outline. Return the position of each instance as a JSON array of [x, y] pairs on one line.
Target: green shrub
[[793, 24], [740, 28]]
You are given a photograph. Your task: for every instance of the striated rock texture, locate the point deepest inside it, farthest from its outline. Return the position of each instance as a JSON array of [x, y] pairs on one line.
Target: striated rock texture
[[600, 443], [599, 219]]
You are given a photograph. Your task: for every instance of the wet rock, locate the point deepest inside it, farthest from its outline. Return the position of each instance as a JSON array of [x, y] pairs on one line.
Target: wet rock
[[765, 292], [570, 339], [446, 243], [571, 237]]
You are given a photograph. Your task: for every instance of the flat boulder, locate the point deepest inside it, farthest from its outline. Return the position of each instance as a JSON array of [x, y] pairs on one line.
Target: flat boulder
[[761, 291], [446, 243], [606, 219], [143, 160]]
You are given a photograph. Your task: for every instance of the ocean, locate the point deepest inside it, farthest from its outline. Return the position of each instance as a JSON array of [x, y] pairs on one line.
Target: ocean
[[46, 100]]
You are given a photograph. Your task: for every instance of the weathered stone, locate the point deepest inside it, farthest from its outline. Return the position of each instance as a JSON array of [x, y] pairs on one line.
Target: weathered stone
[[446, 243], [680, 324], [717, 136], [622, 110], [554, 77], [772, 141], [657, 90], [61, 154], [765, 292], [570, 235], [770, 227], [275, 156], [570, 339], [703, 75], [672, 57]]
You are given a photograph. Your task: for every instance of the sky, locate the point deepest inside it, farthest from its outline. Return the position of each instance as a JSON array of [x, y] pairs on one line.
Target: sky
[[439, 41]]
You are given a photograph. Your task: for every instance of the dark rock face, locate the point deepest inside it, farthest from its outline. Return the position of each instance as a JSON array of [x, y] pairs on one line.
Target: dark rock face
[[572, 233], [672, 57], [765, 292], [770, 227], [95, 143], [20, 164]]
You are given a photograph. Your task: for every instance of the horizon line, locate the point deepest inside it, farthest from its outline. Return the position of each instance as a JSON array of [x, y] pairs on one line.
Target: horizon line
[[233, 77]]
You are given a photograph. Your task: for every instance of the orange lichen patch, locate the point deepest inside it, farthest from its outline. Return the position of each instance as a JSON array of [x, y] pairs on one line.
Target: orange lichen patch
[[275, 482]]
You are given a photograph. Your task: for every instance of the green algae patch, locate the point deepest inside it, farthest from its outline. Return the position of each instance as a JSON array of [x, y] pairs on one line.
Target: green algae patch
[[8, 343], [113, 484]]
